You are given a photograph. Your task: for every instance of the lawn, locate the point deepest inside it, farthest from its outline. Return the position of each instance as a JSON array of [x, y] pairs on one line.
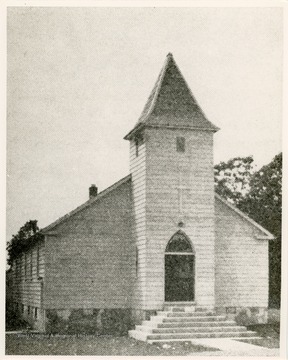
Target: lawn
[[267, 343], [41, 344], [270, 334], [38, 344]]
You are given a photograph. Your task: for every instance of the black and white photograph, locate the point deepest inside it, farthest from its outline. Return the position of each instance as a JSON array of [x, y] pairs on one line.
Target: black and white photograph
[[144, 179]]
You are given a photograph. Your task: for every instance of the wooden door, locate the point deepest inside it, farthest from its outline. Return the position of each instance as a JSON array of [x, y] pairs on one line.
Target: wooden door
[[179, 277]]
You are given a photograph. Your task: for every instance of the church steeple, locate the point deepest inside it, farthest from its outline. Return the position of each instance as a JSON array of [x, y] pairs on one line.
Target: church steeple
[[171, 165], [172, 104]]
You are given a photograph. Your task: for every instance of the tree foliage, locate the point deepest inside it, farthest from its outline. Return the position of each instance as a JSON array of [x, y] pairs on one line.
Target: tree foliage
[[232, 178], [259, 195], [27, 235], [266, 194]]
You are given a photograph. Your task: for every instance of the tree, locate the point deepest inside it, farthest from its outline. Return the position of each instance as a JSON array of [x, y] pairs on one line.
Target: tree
[[27, 235], [232, 178]]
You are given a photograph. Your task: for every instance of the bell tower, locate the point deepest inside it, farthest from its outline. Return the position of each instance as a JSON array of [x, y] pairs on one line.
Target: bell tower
[[171, 163]]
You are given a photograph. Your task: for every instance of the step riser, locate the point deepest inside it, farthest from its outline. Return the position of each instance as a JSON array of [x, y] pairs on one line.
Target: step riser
[[186, 309], [199, 335], [150, 330], [187, 314], [197, 324], [167, 341], [181, 309], [198, 330], [169, 325], [180, 303], [192, 319]]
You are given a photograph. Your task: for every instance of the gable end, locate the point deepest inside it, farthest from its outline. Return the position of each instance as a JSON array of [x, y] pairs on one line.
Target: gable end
[[266, 234]]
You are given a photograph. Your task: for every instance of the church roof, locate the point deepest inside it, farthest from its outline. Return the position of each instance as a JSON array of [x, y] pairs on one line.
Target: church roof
[[171, 103]]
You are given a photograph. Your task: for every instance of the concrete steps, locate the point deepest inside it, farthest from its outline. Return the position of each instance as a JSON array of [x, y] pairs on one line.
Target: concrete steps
[[185, 314], [165, 341], [201, 335], [182, 323], [196, 323], [191, 330], [193, 318]]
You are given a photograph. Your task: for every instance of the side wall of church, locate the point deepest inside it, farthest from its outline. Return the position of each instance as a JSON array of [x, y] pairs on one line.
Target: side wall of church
[[90, 263], [241, 267], [28, 272]]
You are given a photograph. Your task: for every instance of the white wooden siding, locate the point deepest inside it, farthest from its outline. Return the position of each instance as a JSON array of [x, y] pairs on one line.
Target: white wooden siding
[[241, 261]]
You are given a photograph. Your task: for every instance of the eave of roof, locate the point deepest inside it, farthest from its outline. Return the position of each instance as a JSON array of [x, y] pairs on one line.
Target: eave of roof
[[141, 126], [267, 236], [47, 229]]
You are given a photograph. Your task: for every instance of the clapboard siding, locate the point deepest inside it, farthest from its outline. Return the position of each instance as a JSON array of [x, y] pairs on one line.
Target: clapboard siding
[[27, 284], [163, 212], [90, 263], [138, 172], [241, 261]]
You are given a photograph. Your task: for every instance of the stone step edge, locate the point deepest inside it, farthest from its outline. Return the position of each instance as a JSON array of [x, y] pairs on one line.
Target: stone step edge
[[191, 340], [180, 303], [143, 336], [200, 335], [186, 309], [168, 324], [186, 313], [191, 318], [188, 330], [193, 323]]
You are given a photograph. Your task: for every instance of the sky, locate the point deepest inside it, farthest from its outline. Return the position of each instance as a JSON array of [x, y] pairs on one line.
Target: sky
[[78, 79]]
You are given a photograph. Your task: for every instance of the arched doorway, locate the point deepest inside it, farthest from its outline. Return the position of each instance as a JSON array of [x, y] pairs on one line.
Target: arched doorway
[[179, 269]]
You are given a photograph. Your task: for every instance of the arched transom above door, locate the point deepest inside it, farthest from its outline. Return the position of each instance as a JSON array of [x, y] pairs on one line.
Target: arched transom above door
[[179, 243]]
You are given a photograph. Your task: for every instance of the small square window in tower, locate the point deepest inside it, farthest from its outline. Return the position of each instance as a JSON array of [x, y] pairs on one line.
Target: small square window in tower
[[180, 144], [138, 141]]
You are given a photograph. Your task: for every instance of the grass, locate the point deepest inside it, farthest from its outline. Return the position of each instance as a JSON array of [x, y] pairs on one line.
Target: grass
[[38, 344], [270, 334], [267, 343]]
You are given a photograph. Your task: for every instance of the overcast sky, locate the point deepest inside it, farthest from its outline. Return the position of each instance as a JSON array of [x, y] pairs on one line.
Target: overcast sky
[[78, 79]]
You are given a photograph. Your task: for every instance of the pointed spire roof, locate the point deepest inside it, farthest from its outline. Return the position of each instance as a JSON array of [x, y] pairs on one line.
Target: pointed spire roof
[[171, 103]]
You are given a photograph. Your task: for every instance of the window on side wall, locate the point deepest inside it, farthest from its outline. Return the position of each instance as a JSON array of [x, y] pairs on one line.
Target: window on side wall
[[136, 147], [137, 262], [25, 266], [180, 144], [17, 268], [38, 261], [31, 264]]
